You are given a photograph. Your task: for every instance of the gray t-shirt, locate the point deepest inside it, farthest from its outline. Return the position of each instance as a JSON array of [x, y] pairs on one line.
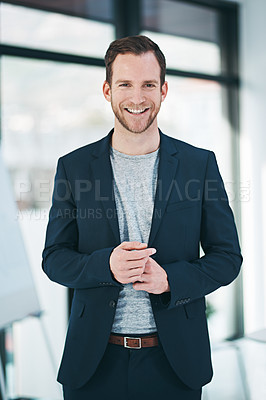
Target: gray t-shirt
[[135, 179]]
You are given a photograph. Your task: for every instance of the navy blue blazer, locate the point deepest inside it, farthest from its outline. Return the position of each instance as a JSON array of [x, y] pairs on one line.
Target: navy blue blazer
[[191, 208]]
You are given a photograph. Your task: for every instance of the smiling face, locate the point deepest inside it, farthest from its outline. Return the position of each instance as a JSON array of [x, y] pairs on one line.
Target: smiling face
[[135, 92]]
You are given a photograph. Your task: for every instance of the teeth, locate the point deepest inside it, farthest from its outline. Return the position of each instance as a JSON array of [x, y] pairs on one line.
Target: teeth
[[136, 111]]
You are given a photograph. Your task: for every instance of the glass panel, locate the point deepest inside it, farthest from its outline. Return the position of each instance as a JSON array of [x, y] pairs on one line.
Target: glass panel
[[189, 34], [181, 19], [48, 109], [27, 27], [101, 10], [188, 54], [199, 117]]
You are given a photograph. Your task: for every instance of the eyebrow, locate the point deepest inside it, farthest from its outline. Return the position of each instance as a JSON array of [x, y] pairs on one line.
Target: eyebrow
[[128, 81]]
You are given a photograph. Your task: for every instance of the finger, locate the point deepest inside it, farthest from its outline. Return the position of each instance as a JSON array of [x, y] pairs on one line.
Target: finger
[[139, 254], [132, 245], [141, 286], [142, 279], [136, 263], [134, 279], [148, 268], [150, 261], [135, 272]]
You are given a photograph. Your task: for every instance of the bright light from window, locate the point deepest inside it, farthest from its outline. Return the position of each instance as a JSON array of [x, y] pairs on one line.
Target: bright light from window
[[188, 54], [27, 27]]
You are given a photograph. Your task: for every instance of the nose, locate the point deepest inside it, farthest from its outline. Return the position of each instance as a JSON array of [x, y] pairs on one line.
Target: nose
[[137, 95]]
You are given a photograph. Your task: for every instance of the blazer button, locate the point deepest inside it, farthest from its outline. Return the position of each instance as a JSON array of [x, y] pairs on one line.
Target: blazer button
[[112, 303]]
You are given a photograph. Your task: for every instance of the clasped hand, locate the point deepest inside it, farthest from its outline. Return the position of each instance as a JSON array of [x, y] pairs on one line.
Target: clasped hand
[[130, 262]]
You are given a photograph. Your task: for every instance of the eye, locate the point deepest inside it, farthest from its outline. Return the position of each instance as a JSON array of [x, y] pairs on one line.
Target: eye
[[150, 85], [124, 85]]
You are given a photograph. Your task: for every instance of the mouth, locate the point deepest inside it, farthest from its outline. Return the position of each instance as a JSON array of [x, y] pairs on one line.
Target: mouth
[[133, 111]]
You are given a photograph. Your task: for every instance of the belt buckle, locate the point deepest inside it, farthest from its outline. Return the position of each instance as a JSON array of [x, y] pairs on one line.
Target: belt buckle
[[130, 347]]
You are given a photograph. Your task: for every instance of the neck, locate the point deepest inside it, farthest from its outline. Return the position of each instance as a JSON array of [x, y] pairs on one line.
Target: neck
[[135, 143]]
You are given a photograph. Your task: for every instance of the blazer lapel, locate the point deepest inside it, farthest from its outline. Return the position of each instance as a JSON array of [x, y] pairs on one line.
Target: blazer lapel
[[103, 179], [166, 172], [103, 175]]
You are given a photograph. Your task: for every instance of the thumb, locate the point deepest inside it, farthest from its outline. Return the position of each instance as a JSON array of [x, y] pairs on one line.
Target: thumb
[[133, 245], [148, 264]]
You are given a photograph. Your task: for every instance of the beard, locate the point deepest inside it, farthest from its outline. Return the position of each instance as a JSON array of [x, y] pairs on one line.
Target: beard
[[141, 124]]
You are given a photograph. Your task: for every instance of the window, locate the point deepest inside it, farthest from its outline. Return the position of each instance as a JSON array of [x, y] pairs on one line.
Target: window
[[21, 26], [48, 109], [189, 34], [52, 71], [199, 40]]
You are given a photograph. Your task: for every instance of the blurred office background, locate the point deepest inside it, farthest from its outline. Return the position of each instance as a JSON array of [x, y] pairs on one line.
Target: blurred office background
[[52, 72]]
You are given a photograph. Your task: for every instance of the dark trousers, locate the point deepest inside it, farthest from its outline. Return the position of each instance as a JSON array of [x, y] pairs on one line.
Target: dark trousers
[[139, 374]]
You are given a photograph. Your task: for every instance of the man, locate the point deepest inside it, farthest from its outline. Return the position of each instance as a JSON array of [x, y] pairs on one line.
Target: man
[[128, 215]]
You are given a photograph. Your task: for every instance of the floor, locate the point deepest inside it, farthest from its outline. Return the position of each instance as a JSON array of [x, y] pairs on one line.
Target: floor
[[239, 371]]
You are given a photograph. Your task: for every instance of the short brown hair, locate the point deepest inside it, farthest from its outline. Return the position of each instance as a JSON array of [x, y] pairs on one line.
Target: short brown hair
[[136, 45]]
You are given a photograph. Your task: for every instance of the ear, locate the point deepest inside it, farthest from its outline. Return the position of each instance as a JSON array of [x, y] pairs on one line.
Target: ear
[[164, 90], [107, 91]]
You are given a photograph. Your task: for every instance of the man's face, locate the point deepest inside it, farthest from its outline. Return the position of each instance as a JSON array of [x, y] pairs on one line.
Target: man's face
[[135, 93]]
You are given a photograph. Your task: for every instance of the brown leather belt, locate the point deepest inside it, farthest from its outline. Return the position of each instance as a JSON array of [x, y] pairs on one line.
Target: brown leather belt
[[134, 342]]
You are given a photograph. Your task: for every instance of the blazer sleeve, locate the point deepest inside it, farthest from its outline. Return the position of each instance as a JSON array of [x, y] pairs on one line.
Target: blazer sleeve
[[62, 262], [220, 265]]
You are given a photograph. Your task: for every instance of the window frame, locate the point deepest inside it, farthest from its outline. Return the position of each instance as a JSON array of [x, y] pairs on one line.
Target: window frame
[[127, 21]]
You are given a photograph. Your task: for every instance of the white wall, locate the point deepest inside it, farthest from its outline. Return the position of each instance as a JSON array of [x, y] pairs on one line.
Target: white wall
[[38, 343], [253, 159]]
